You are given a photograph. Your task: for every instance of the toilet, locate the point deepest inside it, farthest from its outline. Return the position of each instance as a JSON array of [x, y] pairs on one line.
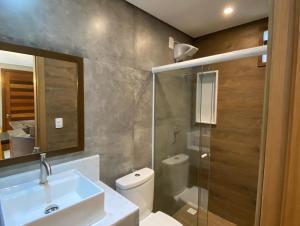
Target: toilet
[[175, 172], [138, 187]]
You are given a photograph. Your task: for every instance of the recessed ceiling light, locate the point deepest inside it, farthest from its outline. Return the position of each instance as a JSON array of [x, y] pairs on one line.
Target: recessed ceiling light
[[228, 10]]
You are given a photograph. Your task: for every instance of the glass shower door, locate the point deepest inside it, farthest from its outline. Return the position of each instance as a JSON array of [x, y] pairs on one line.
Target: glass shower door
[[203, 162], [181, 149]]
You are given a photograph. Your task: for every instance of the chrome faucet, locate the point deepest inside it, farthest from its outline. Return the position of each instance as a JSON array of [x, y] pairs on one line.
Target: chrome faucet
[[45, 169]]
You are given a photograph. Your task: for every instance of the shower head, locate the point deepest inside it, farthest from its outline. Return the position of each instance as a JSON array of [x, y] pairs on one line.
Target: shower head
[[182, 50]]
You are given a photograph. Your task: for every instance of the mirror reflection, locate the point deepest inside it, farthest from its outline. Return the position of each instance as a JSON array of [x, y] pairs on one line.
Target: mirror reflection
[[41, 103], [17, 110]]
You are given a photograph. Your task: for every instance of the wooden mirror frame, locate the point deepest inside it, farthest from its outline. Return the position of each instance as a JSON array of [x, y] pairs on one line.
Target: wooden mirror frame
[[80, 99]]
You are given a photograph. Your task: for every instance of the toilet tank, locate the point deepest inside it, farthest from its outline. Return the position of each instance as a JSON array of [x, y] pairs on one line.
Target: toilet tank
[[138, 187], [175, 172]]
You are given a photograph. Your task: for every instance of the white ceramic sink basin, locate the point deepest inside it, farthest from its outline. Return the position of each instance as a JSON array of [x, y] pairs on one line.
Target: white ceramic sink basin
[[68, 198]]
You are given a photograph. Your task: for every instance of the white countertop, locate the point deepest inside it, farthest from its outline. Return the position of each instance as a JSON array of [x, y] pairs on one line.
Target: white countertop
[[119, 210]]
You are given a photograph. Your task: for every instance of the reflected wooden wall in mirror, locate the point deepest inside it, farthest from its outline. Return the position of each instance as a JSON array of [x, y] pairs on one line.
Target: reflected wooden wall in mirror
[[41, 103]]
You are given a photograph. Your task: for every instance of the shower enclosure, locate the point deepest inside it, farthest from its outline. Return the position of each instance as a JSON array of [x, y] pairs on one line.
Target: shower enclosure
[[185, 115]]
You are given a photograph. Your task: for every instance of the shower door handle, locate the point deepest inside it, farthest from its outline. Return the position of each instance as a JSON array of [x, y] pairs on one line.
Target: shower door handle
[[204, 156]]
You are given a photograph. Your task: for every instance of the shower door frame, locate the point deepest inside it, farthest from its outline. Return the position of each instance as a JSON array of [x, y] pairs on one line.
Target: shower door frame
[[234, 55]]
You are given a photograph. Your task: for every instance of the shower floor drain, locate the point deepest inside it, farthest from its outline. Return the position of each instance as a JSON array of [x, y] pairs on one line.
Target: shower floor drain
[[51, 209], [192, 211]]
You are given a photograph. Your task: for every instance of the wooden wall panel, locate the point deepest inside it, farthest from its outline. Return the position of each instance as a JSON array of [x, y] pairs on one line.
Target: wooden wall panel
[[58, 95], [61, 102], [280, 191], [235, 141], [291, 199]]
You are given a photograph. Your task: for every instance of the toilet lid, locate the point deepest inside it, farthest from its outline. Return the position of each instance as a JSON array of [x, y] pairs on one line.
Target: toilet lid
[[159, 219]]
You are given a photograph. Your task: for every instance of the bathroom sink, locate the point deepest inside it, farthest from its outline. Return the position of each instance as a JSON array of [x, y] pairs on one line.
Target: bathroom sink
[[69, 198]]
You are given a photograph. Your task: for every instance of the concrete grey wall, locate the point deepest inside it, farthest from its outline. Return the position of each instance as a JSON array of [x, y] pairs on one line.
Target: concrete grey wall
[[121, 44], [172, 114]]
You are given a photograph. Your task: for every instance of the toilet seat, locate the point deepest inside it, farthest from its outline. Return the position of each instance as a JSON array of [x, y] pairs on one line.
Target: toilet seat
[[159, 219]]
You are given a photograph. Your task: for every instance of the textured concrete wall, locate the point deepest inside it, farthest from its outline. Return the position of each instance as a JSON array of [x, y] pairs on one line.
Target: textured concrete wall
[[173, 120], [120, 43], [172, 114]]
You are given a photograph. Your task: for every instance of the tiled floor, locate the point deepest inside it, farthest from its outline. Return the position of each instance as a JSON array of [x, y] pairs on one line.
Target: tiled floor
[[188, 219]]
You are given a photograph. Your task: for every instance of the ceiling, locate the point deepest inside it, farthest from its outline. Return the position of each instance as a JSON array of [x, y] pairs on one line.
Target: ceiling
[[201, 17]]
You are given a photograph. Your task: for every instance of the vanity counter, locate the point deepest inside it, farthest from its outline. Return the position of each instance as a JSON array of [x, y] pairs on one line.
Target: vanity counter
[[118, 210]]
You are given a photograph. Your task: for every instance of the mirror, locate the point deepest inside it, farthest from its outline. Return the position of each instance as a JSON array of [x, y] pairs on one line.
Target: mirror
[[41, 105]]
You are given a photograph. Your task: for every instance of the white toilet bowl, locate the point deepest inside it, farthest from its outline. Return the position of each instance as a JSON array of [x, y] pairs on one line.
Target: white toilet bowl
[[138, 187], [159, 219]]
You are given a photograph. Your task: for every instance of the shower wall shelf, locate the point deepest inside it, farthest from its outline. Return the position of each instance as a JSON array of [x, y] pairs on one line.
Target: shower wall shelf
[[195, 141], [207, 97]]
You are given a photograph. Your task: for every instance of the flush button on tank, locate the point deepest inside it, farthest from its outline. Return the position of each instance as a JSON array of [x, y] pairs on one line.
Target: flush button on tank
[[137, 174]]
